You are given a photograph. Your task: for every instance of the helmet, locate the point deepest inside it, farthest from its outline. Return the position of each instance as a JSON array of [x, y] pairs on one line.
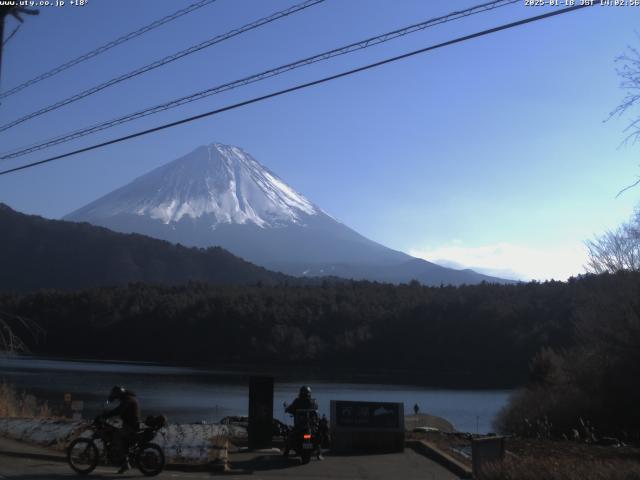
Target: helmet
[[305, 391], [116, 393]]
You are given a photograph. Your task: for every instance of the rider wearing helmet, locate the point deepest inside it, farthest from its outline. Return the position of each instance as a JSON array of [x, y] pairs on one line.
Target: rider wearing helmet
[[128, 410], [303, 401]]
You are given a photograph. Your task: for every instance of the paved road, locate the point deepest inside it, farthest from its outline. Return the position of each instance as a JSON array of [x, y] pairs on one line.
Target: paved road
[[407, 466]]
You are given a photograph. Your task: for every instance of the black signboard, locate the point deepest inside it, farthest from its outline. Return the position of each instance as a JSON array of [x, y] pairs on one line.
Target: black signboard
[[376, 415]]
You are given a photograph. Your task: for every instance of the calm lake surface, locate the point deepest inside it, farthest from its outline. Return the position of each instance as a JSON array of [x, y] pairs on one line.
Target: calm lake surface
[[188, 395]]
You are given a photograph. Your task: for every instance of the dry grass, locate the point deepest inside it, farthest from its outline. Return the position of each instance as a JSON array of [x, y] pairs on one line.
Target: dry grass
[[553, 468], [541, 459], [555, 460], [563, 449], [20, 404]]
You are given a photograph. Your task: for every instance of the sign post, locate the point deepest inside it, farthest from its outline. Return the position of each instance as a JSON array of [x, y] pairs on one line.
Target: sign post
[[67, 405], [260, 412]]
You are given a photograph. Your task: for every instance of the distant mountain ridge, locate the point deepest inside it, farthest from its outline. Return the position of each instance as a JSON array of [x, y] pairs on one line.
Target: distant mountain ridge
[[37, 253], [220, 195]]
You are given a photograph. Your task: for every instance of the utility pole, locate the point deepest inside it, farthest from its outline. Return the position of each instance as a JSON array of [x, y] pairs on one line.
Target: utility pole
[[3, 13], [15, 12]]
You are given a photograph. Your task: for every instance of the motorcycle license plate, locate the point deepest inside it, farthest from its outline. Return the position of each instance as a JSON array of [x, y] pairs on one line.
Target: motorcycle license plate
[[307, 446]]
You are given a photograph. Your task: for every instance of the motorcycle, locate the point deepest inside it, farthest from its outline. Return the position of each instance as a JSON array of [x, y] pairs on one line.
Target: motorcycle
[[304, 438], [85, 453]]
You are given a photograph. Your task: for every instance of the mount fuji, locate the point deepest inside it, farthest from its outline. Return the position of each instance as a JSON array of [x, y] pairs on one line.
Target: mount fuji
[[219, 195]]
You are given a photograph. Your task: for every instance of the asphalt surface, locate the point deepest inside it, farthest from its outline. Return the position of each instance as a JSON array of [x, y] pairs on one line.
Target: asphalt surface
[[22, 462]]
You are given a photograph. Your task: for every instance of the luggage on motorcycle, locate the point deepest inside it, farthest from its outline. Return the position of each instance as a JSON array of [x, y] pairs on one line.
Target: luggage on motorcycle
[[156, 422]]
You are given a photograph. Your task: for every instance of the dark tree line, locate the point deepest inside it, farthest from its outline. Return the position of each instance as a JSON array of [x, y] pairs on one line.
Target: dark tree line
[[590, 386], [483, 335], [574, 346]]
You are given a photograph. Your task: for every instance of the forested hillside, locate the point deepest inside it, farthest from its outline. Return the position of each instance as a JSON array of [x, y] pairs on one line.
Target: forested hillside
[[483, 335], [39, 253]]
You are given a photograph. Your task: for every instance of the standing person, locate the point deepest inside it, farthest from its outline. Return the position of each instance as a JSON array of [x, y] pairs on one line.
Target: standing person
[[128, 410], [416, 411]]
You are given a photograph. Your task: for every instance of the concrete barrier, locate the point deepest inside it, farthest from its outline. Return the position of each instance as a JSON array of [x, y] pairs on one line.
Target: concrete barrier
[[484, 451], [182, 444], [431, 451], [358, 427]]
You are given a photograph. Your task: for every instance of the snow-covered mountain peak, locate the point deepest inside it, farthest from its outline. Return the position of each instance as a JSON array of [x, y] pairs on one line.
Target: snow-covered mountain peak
[[219, 195], [221, 181]]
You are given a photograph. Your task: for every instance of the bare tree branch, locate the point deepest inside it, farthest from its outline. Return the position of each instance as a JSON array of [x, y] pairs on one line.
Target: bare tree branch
[[628, 71], [616, 250], [628, 187], [10, 342]]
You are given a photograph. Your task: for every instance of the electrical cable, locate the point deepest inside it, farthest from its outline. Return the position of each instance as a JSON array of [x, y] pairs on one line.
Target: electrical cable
[[369, 42], [107, 46], [164, 61], [303, 86], [10, 36]]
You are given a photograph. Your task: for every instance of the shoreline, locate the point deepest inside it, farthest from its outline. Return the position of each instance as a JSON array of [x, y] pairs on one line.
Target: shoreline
[[240, 372]]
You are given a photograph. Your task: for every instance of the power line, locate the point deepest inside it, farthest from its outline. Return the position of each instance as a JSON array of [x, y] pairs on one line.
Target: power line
[[369, 42], [10, 36], [107, 46], [303, 86], [164, 61]]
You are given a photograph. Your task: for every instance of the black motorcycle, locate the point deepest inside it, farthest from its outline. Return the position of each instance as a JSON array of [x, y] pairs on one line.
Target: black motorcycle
[[85, 453], [304, 438]]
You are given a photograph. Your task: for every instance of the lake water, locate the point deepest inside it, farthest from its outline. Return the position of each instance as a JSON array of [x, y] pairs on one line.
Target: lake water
[[188, 395]]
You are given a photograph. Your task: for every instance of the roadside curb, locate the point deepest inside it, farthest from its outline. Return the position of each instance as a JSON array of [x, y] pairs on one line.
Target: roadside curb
[[205, 467], [35, 456], [432, 452]]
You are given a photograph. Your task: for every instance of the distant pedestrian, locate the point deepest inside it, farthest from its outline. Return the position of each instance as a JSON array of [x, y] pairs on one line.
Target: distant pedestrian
[[416, 409]]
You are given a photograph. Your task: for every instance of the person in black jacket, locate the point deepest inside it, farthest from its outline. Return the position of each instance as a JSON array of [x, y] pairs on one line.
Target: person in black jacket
[[128, 410], [303, 401]]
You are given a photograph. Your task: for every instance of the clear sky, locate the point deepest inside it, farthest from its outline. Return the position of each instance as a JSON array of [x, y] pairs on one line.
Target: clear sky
[[490, 154]]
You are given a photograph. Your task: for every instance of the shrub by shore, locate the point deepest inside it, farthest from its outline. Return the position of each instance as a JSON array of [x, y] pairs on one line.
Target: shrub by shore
[[20, 404], [530, 468]]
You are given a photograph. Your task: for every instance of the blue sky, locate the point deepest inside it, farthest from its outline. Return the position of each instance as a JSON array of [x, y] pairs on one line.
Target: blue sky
[[490, 154]]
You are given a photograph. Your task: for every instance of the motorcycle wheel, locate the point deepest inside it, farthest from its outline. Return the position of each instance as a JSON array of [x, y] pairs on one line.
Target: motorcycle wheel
[[306, 457], [149, 459], [82, 456]]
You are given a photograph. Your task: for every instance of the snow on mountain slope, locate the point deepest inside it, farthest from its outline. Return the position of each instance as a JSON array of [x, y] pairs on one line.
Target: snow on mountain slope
[[219, 195], [220, 180]]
